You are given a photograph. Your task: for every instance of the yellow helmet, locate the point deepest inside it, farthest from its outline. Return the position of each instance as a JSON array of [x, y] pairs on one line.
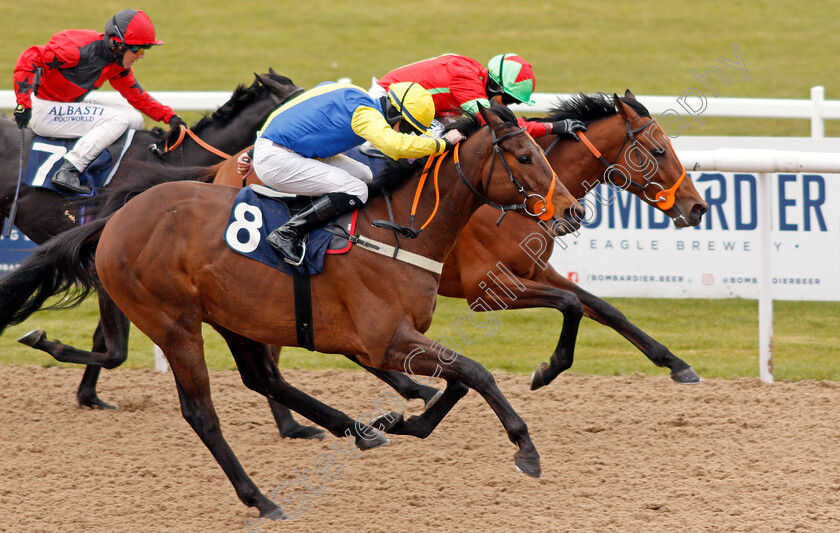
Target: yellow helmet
[[414, 104]]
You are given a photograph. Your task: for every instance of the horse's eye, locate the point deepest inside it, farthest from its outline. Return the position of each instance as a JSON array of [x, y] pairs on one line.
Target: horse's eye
[[524, 159], [659, 152]]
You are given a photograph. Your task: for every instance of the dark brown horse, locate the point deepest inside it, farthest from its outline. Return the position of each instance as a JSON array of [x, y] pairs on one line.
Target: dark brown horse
[[163, 262], [43, 213]]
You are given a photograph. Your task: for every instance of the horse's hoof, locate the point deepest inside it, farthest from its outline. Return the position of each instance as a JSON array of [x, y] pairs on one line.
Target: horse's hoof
[[538, 377], [274, 514], [432, 400], [686, 376], [33, 337], [528, 465], [387, 422], [94, 403], [304, 432], [374, 441]]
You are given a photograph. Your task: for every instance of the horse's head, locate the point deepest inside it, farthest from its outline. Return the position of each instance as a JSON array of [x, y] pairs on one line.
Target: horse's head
[[626, 147], [522, 178], [654, 171], [235, 123]]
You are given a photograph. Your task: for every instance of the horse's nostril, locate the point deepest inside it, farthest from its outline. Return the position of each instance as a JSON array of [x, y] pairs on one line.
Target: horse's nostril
[[574, 214], [699, 209]]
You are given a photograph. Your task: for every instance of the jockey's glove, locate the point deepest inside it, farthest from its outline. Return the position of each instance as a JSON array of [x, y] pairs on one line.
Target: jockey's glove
[[22, 115], [568, 126], [175, 123]]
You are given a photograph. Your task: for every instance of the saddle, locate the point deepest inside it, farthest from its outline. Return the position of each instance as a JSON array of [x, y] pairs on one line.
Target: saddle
[[258, 210], [44, 156]]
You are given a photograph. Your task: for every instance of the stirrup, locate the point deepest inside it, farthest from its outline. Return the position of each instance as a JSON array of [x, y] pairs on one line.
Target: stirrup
[[302, 255]]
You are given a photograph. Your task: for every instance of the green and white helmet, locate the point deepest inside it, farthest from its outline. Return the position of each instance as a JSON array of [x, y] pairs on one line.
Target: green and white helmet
[[514, 75]]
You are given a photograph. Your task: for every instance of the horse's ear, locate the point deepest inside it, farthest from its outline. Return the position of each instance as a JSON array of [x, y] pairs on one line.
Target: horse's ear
[[259, 78], [489, 118], [628, 94], [482, 111], [624, 110]]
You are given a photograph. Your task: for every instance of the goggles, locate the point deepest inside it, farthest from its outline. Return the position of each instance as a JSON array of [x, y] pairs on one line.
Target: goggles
[[138, 48]]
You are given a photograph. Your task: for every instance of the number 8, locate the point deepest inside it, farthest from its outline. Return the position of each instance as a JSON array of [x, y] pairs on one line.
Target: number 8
[[251, 226]]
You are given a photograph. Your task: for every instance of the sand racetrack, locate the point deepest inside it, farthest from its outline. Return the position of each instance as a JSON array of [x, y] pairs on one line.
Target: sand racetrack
[[626, 454]]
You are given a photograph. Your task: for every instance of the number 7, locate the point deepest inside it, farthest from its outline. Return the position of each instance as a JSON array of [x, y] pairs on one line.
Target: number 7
[[56, 153]]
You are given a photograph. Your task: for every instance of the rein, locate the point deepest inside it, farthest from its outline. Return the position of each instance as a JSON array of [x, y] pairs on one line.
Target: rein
[[546, 207], [665, 198], [186, 131]]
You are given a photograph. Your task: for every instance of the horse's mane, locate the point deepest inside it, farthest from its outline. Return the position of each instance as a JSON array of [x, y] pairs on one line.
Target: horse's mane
[[397, 172], [241, 98], [145, 176], [590, 107]]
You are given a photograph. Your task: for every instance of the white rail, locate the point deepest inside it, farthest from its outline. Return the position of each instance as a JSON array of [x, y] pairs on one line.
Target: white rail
[[816, 109], [762, 162]]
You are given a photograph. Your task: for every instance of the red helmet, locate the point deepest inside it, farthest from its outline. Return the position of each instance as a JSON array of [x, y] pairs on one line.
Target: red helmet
[[131, 26]]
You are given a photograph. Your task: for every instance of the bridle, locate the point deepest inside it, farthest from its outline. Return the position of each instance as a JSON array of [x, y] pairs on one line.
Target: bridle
[[546, 207], [663, 198], [544, 203]]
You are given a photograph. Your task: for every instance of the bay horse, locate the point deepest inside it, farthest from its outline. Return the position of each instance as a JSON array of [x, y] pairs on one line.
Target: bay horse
[[161, 259], [622, 130], [43, 213], [634, 154]]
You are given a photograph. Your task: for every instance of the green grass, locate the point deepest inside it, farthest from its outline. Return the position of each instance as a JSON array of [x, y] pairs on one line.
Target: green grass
[[719, 338], [649, 47]]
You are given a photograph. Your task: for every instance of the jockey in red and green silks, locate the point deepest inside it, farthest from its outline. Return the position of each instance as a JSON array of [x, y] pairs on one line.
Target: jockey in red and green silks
[[458, 84]]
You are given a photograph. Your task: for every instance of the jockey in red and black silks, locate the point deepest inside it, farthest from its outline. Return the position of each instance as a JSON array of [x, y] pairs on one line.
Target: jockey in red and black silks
[[53, 85], [458, 84]]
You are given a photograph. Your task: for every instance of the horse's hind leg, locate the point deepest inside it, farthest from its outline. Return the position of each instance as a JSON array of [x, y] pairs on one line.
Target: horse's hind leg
[[408, 389], [289, 427], [404, 385], [260, 373], [110, 355], [415, 352]]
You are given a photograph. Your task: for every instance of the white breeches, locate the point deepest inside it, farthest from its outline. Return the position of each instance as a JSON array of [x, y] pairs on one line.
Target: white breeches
[[95, 122], [286, 171]]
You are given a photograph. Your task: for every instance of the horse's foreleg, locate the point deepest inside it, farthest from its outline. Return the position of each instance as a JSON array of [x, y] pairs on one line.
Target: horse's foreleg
[[608, 315], [531, 294], [416, 355], [259, 373]]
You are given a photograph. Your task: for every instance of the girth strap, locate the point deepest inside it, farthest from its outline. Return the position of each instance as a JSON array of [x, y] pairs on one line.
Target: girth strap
[[303, 311], [401, 255]]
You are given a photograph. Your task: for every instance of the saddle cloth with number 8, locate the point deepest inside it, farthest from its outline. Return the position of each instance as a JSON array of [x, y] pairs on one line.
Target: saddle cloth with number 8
[[254, 216]]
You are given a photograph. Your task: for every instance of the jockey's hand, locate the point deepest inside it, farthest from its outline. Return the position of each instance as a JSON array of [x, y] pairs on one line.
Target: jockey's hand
[[243, 164], [567, 126], [22, 116], [175, 123], [452, 137]]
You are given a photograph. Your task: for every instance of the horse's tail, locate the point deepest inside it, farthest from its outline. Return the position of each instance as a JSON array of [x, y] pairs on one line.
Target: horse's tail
[[144, 177], [63, 263]]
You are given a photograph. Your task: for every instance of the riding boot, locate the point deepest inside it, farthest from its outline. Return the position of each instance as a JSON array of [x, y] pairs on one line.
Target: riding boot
[[286, 239], [69, 178]]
